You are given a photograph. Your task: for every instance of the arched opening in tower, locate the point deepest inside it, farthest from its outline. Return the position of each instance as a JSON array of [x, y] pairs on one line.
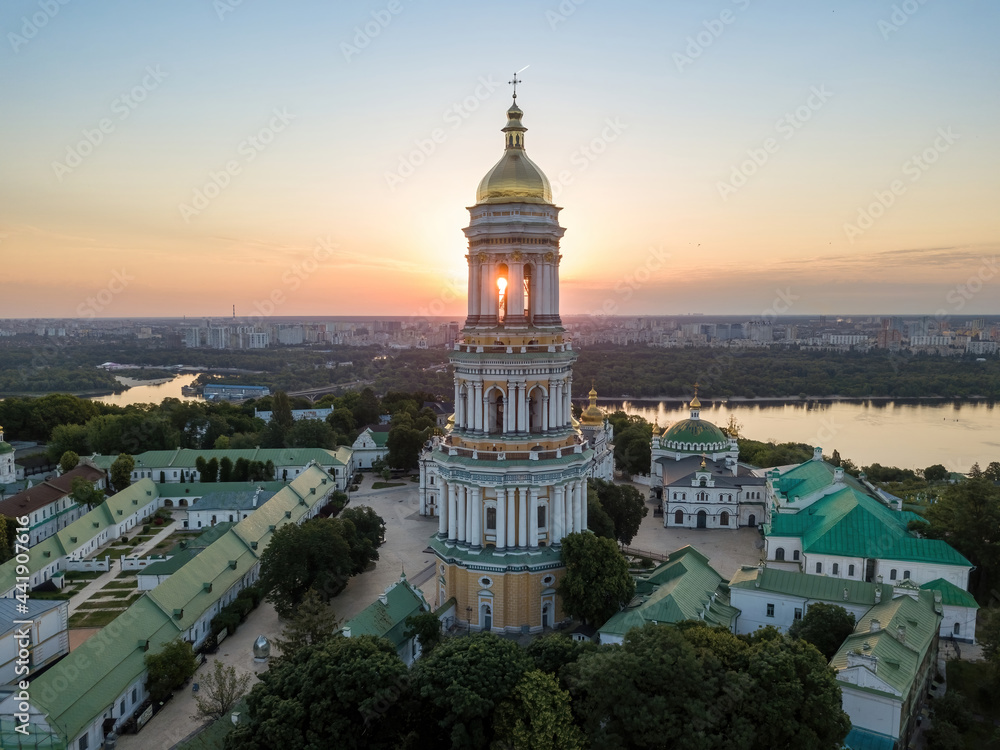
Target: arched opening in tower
[[527, 293], [501, 293], [496, 411]]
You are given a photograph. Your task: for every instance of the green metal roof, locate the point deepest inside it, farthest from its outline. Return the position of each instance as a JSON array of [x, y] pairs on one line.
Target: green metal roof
[[185, 457], [852, 524], [6, 448], [862, 739], [697, 432], [951, 595], [123, 504], [387, 619], [197, 489], [185, 554], [899, 660], [105, 664], [679, 589], [806, 586]]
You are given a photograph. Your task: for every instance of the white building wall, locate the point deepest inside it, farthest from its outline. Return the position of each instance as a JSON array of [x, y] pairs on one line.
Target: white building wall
[[965, 618], [876, 713], [835, 566], [920, 572]]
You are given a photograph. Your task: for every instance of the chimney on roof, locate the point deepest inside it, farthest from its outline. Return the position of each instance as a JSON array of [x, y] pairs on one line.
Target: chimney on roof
[[383, 598], [846, 593], [878, 594], [901, 633], [817, 454], [874, 626], [347, 631], [838, 475]]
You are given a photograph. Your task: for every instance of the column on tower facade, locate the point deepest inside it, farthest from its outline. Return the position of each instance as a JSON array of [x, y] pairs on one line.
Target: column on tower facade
[[568, 399], [583, 507], [458, 404], [501, 519], [555, 284], [545, 412], [515, 291], [449, 491], [511, 517], [578, 495], [524, 419], [507, 411], [477, 400], [522, 517], [487, 300], [442, 510], [553, 400], [476, 509], [474, 289], [533, 517], [558, 513], [462, 514]]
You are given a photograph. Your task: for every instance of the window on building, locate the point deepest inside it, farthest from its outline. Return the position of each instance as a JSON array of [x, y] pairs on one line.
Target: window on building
[[892, 574], [836, 569], [724, 518], [795, 554], [957, 630], [679, 517], [850, 571], [541, 516], [779, 554], [798, 613], [121, 708], [135, 695], [770, 610], [819, 567], [84, 742], [906, 574], [491, 519]]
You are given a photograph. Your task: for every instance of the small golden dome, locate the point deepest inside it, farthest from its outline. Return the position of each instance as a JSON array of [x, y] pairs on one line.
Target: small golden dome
[[695, 403], [592, 414]]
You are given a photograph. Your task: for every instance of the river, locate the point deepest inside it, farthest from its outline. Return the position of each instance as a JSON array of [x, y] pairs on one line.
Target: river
[[151, 394], [908, 435]]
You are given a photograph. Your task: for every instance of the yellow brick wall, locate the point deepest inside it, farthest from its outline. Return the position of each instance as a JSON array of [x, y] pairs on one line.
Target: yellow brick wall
[[517, 597]]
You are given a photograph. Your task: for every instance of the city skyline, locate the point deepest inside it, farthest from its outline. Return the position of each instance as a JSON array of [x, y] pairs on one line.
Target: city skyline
[[730, 158]]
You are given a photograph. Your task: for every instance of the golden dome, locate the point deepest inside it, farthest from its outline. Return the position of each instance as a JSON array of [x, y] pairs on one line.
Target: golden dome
[[515, 178], [695, 403], [592, 415]]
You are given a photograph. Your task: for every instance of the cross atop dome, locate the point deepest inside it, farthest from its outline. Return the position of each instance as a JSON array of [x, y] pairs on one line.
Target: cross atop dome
[[513, 82]]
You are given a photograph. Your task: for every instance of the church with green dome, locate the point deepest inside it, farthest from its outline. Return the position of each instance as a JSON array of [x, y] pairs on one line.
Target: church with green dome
[[697, 478]]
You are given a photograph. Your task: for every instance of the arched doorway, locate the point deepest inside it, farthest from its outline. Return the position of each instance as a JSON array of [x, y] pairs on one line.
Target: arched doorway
[[495, 411], [752, 520], [485, 616], [679, 518], [702, 519], [724, 518], [779, 554], [546, 616]]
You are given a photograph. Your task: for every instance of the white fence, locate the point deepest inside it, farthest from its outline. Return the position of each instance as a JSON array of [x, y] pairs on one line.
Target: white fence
[[89, 565], [138, 563]]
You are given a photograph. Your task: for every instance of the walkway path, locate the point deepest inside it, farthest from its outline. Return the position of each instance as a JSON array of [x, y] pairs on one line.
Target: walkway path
[[115, 568]]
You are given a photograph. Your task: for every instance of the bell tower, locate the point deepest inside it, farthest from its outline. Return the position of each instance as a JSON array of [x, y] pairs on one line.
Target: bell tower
[[507, 481]]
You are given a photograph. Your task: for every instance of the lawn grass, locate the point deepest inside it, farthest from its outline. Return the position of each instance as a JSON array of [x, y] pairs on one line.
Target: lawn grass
[[66, 593], [121, 585], [82, 575], [92, 619], [92, 604], [386, 485], [127, 574]]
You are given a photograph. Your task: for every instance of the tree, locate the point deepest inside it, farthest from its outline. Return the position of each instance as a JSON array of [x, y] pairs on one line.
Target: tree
[[85, 493], [935, 473], [313, 622], [460, 685], [314, 555], [967, 516], [354, 680], [310, 433], [226, 469], [426, 627], [67, 437], [169, 668], [220, 690], [624, 505], [6, 546], [825, 626], [281, 411], [598, 520], [633, 436], [835, 458], [68, 461], [537, 716], [405, 443], [368, 523], [993, 471], [597, 583], [553, 651], [211, 471], [988, 635], [121, 471], [641, 705]]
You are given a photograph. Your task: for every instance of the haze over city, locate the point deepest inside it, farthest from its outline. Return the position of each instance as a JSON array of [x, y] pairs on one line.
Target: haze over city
[[710, 157]]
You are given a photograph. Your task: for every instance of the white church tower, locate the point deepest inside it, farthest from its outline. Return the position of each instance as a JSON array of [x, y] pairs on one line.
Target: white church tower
[[507, 481], [8, 472]]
